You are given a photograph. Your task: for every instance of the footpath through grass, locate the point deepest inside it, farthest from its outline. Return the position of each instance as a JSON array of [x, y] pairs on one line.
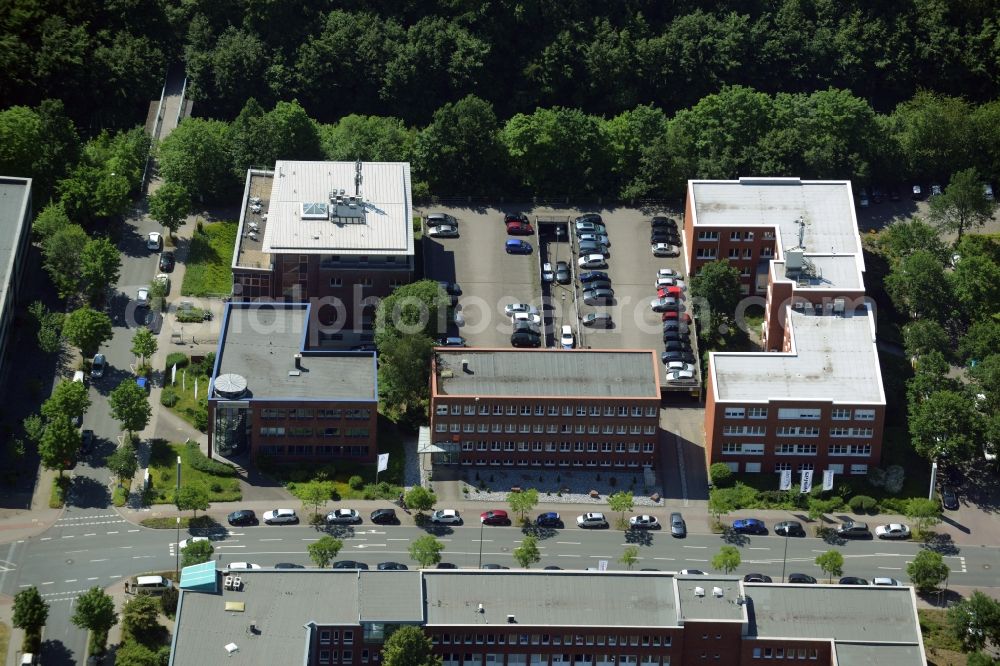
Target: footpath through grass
[[208, 269], [222, 487]]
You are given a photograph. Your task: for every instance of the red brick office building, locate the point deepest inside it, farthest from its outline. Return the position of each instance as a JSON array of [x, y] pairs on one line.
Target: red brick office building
[[580, 408]]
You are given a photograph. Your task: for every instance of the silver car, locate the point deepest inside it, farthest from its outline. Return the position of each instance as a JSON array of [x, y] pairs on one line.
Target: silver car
[[678, 527]]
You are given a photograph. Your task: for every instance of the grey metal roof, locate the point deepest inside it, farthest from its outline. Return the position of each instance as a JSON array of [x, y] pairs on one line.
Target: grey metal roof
[[563, 373], [279, 603], [15, 200], [833, 358], [879, 654], [390, 596], [259, 342], [840, 612], [388, 225], [549, 598], [708, 606]]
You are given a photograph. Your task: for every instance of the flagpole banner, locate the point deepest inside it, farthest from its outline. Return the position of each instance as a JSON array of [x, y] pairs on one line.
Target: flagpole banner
[[786, 479], [383, 462], [828, 479], [807, 481]]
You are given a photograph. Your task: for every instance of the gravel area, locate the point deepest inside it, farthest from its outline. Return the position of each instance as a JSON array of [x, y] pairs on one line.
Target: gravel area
[[558, 486]]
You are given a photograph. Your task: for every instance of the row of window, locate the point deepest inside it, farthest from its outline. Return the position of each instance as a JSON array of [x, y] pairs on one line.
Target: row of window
[[485, 409], [765, 252], [550, 639], [306, 413], [309, 432], [327, 636], [755, 468], [795, 431], [551, 428], [785, 653], [564, 447], [497, 659], [342, 656], [314, 451], [733, 235], [603, 462], [838, 414], [336, 282], [757, 449]]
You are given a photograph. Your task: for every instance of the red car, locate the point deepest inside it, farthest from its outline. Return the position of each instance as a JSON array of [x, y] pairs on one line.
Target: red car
[[672, 292], [495, 517], [674, 315], [516, 217], [520, 229]]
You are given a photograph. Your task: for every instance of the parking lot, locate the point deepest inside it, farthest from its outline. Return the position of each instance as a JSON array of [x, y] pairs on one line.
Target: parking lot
[[490, 278]]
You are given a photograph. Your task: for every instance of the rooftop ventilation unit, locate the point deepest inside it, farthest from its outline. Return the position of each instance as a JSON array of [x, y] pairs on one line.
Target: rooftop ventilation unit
[[511, 619], [838, 305], [794, 260], [481, 609], [230, 386], [717, 592], [699, 591]]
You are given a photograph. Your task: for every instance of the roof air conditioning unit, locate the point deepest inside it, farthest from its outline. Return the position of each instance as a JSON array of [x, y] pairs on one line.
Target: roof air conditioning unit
[[699, 591], [717, 592], [511, 619], [838, 304], [481, 609]]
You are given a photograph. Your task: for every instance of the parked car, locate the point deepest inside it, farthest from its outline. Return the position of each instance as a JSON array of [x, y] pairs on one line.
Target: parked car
[[532, 318], [494, 566], [446, 565], [949, 499], [757, 578], [918, 193], [789, 528], [678, 376], [162, 280], [678, 528], [391, 566], [549, 519], [801, 579], [666, 273], [987, 191], [680, 365], [441, 219], [280, 516], [670, 282], [597, 320], [350, 564], [692, 572], [548, 275], [665, 236], [852, 580], [526, 338], [184, 543], [593, 261], [597, 284], [516, 217], [590, 217], [517, 246], [644, 522], [749, 526], [661, 222], [242, 517], [601, 239], [513, 308], [86, 441], [563, 274], [598, 296], [663, 304], [591, 276], [935, 190], [665, 250], [885, 581], [675, 325], [453, 341], [167, 262], [893, 193], [852, 529], [590, 228], [443, 231], [243, 566], [154, 241], [590, 247], [591, 520], [893, 531], [520, 229], [451, 288], [98, 366], [384, 517], [446, 517], [670, 292], [567, 339], [668, 356], [343, 517], [142, 297], [863, 198], [678, 315], [494, 517], [288, 565]]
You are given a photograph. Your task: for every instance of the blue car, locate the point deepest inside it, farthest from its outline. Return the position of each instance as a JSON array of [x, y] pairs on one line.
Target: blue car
[[749, 526], [550, 519], [518, 246], [590, 276]]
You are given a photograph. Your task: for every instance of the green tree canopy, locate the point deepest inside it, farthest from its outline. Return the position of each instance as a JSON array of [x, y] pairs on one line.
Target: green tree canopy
[[59, 444], [196, 157], [975, 620], [193, 498], [100, 264], [61, 258], [527, 553], [946, 425], [460, 150], [629, 556], [831, 563], [717, 287], [934, 132], [962, 206], [927, 571], [416, 308], [420, 499], [727, 559], [141, 618], [369, 138], [196, 552], [69, 398], [621, 501], [123, 462], [51, 219], [924, 513], [143, 344], [95, 611], [170, 204], [323, 551], [980, 340], [426, 550], [130, 406], [976, 285], [923, 336], [30, 611], [404, 373], [522, 502], [87, 330], [316, 493], [408, 646], [903, 237], [917, 285]]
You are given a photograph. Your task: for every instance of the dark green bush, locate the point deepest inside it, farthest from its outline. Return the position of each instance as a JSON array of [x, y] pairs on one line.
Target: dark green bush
[[180, 358], [356, 482], [722, 476], [201, 419], [202, 463], [168, 601], [862, 504]]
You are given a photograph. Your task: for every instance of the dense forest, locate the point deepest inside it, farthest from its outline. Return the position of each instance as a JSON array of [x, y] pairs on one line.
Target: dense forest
[[569, 97]]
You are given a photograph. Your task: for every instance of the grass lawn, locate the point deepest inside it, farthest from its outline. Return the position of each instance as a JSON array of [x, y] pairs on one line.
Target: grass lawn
[[943, 649], [186, 407], [163, 472], [57, 495], [208, 269]]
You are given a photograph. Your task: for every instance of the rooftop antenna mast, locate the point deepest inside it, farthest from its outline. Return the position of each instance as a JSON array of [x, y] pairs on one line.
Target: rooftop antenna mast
[[802, 231], [357, 177]]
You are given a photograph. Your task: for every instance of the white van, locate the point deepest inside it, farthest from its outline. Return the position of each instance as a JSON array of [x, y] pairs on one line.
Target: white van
[[154, 585]]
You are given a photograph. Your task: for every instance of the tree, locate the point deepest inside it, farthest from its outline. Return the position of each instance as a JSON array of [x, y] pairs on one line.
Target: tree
[[426, 550], [34, 427], [927, 571], [721, 475], [923, 336], [976, 285], [404, 374], [935, 134], [831, 563], [123, 462], [818, 507], [370, 138], [629, 556], [460, 150], [59, 443], [721, 501], [30, 610], [195, 156], [727, 559], [904, 237], [196, 552], [141, 618], [87, 330], [975, 621], [69, 398], [917, 285], [621, 502], [100, 263], [170, 204], [49, 327], [962, 206], [191, 497], [527, 553], [420, 499], [315, 493], [408, 646], [135, 653], [52, 218], [143, 344], [980, 659], [416, 308], [95, 611], [717, 289], [946, 425], [130, 406], [522, 502], [324, 550], [924, 513], [61, 258], [980, 340]]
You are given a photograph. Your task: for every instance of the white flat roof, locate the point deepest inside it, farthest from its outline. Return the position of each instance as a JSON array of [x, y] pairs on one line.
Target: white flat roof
[[387, 228], [832, 358], [831, 271]]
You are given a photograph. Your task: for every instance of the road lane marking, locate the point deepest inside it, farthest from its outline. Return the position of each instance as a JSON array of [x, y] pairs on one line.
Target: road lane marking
[[48, 582], [92, 578], [562, 555], [698, 547], [125, 547], [758, 548], [391, 539], [601, 557], [310, 539], [134, 530], [569, 543], [46, 539], [229, 545], [892, 568], [90, 534], [70, 580], [275, 539], [115, 532], [665, 559], [103, 559], [698, 560], [68, 536]]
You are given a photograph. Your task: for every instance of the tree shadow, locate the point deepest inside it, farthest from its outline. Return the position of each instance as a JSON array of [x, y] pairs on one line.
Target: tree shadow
[[940, 543], [55, 652], [734, 538], [539, 533], [830, 536], [437, 530], [639, 537], [88, 493], [336, 531]]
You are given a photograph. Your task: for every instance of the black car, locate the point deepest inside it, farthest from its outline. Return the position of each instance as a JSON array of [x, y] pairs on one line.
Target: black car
[[526, 339], [563, 276], [677, 345], [288, 565], [495, 566], [852, 529], [675, 334], [789, 528], [350, 564], [167, 262], [599, 284], [552, 567], [590, 276], [516, 217], [853, 580], [668, 356], [392, 566], [549, 519], [603, 296], [757, 578], [949, 499], [664, 236], [451, 288], [446, 565], [660, 222], [242, 517], [801, 578], [384, 517], [86, 441], [590, 217]]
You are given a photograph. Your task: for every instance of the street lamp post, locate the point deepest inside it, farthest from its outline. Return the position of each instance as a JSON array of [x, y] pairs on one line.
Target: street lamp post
[[481, 525], [784, 560], [177, 550]]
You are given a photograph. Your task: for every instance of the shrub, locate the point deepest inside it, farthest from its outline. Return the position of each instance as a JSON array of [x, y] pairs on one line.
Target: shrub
[[168, 601], [894, 477], [180, 358], [894, 505], [202, 463], [120, 497], [722, 476], [862, 504], [201, 419], [169, 397], [356, 482], [381, 490]]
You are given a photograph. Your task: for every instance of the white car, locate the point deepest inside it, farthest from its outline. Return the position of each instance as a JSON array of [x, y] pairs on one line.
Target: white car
[[692, 572], [566, 339], [184, 543], [644, 522], [343, 517], [597, 238], [664, 250], [446, 517], [893, 531], [280, 516], [885, 581], [443, 231], [242, 566], [680, 366], [142, 297], [670, 282], [164, 280], [548, 275], [593, 261], [666, 273], [512, 308], [154, 241], [592, 520], [680, 376], [531, 317]]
